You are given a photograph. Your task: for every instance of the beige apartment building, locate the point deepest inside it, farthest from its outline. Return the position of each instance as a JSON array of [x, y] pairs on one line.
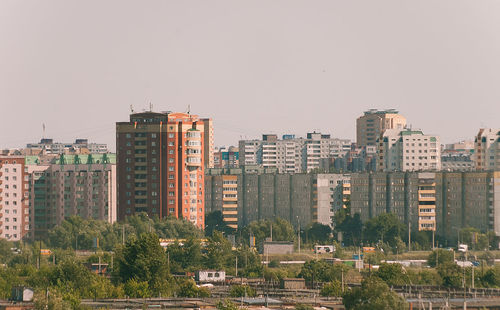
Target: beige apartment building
[[487, 149], [374, 122], [408, 150]]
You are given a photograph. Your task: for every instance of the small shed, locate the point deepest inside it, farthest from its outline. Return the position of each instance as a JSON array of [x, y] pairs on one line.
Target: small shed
[[293, 283], [22, 293], [210, 276]]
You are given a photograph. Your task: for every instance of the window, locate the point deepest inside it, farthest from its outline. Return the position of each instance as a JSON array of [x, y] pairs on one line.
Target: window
[[153, 135]]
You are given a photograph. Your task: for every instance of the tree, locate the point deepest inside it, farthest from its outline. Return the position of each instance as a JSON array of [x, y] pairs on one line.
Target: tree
[[226, 305], [303, 307], [374, 294], [144, 259], [5, 251], [385, 228], [242, 291], [137, 289], [451, 274], [350, 228], [439, 257], [332, 289], [315, 271], [50, 300], [249, 262], [215, 221], [188, 288], [218, 251], [282, 230], [318, 232], [392, 274]]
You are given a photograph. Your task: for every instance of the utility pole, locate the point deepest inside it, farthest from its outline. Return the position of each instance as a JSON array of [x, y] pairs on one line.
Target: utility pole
[[298, 232], [236, 267], [433, 231], [409, 236]]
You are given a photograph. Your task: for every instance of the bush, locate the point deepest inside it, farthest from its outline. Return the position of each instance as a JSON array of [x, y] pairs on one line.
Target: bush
[[242, 291], [332, 289]]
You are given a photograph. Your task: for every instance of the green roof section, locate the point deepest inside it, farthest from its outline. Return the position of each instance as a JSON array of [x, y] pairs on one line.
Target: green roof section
[[77, 159], [31, 160], [409, 132]]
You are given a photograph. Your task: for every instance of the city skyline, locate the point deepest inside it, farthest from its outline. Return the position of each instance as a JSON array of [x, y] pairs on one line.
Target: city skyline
[[318, 67]]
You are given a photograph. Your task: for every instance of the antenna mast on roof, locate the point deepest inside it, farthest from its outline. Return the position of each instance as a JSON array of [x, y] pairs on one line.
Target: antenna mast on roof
[[150, 107], [189, 109], [131, 109], [43, 130]]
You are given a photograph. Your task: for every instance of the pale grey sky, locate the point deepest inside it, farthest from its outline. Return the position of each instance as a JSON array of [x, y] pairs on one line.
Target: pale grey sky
[[253, 66]]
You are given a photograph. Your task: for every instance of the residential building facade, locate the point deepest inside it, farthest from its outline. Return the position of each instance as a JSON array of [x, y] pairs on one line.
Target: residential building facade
[[487, 149], [14, 202], [408, 150], [71, 185], [374, 122], [290, 154], [445, 202], [161, 164]]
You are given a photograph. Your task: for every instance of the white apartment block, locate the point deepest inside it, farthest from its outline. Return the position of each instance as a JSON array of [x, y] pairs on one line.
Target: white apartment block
[[408, 150], [290, 154], [332, 193], [487, 149], [14, 199]]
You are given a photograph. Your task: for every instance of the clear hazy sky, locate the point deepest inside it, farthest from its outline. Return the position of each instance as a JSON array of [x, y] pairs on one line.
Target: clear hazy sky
[[253, 66]]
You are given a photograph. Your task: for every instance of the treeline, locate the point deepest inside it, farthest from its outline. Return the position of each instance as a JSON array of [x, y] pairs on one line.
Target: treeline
[[387, 232]]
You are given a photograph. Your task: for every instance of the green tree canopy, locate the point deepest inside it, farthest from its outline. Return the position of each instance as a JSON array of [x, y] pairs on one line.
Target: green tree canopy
[[282, 230], [143, 259], [318, 232], [392, 274], [374, 294], [440, 256], [385, 228], [215, 221]]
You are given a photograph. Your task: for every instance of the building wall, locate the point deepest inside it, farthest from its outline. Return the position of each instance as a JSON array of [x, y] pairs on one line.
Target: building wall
[[292, 155], [442, 201], [14, 203], [161, 165], [58, 191], [331, 191], [374, 122], [487, 149], [407, 150], [261, 195]]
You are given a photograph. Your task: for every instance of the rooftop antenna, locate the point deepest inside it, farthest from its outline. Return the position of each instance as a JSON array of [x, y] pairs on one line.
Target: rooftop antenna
[[131, 109], [43, 130], [150, 107], [189, 109]]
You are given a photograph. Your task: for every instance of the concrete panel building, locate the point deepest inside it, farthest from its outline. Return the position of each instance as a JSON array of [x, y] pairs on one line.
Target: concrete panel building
[[161, 165], [487, 149], [72, 185], [374, 122], [265, 194], [290, 154], [330, 194], [14, 198], [408, 150], [445, 202]]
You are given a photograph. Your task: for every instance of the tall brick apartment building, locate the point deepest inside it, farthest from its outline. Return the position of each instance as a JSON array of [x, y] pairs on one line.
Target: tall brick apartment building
[[160, 165]]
